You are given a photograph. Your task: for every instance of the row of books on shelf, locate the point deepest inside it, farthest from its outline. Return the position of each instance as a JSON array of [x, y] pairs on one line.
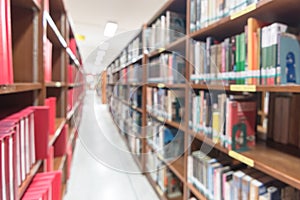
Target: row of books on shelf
[[167, 142], [132, 74], [167, 68], [165, 103], [167, 28], [168, 183], [45, 186], [263, 54], [6, 56], [24, 140], [284, 127], [135, 144], [73, 97], [131, 95], [206, 12], [219, 177], [133, 50], [229, 121]]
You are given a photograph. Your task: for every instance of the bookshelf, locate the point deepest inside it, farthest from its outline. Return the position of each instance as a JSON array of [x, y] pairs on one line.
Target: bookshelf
[[40, 73], [266, 156]]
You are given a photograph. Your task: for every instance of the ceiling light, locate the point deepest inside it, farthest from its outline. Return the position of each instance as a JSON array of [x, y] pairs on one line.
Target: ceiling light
[[110, 29]]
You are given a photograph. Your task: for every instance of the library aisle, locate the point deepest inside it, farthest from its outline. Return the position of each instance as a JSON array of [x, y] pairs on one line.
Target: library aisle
[[91, 179]]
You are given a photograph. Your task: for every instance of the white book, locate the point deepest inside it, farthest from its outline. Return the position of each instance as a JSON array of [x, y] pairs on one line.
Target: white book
[[3, 174], [32, 138], [11, 167], [22, 130]]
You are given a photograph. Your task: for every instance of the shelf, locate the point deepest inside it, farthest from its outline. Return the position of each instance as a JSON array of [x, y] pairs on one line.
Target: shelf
[[59, 163], [73, 85], [196, 192], [71, 113], [177, 167], [19, 87], [265, 10], [281, 166], [55, 84], [128, 104], [156, 187], [27, 4], [59, 124], [177, 46], [134, 60], [73, 57], [57, 6], [53, 33], [163, 85], [71, 132], [25, 184], [173, 5], [247, 88], [167, 122]]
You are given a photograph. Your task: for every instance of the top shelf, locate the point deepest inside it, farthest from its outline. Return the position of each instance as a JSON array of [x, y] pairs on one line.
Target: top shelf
[[27, 3], [265, 10]]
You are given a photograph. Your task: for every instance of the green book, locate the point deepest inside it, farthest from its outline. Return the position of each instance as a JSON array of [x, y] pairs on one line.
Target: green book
[[242, 56]]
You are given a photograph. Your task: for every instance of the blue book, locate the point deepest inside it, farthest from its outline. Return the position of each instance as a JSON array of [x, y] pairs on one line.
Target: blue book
[[289, 58]]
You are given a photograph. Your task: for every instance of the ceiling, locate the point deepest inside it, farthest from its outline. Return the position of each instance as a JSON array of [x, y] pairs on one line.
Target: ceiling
[[89, 18]]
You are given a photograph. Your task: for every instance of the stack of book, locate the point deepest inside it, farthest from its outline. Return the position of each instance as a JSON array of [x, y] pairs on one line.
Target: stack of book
[[6, 57], [262, 54], [23, 139], [165, 103], [228, 121], [206, 12], [167, 142], [219, 178], [136, 96], [284, 127], [45, 186], [166, 29]]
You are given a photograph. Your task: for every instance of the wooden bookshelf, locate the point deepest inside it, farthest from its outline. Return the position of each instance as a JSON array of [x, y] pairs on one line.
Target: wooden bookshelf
[[280, 165], [54, 34], [55, 84], [156, 187], [34, 169], [59, 163], [19, 87], [27, 4]]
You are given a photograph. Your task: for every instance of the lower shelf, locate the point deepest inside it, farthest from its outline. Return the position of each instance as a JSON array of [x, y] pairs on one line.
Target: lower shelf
[[196, 192], [59, 163]]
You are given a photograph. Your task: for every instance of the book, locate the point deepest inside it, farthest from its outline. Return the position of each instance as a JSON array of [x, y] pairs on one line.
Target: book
[[51, 103]]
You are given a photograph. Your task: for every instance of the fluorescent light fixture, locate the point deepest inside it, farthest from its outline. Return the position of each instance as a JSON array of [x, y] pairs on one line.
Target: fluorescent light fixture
[[110, 29]]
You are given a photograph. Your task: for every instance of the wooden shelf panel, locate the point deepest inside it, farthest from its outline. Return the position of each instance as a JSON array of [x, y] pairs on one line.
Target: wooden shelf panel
[[73, 57], [177, 46], [55, 84], [258, 88], [281, 166], [177, 167], [128, 104], [25, 184], [54, 34], [73, 85], [196, 192], [71, 136], [266, 10], [163, 85], [27, 4], [57, 6], [59, 163], [59, 124], [19, 87], [170, 123]]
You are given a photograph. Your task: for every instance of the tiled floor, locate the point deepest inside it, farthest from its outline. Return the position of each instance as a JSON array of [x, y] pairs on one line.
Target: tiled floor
[[102, 168]]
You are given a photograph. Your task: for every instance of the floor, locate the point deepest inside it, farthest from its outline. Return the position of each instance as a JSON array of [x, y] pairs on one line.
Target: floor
[[102, 167]]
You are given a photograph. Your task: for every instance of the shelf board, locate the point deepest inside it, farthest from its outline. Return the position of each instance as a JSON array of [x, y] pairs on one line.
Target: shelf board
[[27, 4], [176, 46], [26, 183], [265, 10], [71, 132], [196, 192], [73, 57], [134, 60], [71, 112], [156, 187], [19, 87], [281, 166], [59, 124], [59, 163], [53, 33], [170, 123], [258, 88], [73, 85], [177, 167], [55, 84], [163, 85], [128, 104], [172, 5]]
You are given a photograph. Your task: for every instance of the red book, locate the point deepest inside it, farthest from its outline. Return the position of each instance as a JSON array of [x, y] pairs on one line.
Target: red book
[[60, 145], [51, 102], [240, 124], [70, 74], [47, 60], [69, 160], [72, 45], [49, 162], [41, 126], [70, 99], [41, 192]]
